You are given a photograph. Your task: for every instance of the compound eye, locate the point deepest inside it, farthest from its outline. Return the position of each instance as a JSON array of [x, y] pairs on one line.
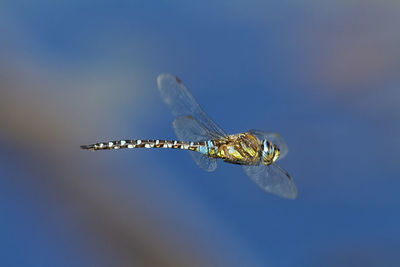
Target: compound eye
[[266, 146], [276, 154]]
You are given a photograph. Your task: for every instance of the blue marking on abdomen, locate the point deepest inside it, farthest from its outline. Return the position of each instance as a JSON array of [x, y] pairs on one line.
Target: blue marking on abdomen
[[203, 150]]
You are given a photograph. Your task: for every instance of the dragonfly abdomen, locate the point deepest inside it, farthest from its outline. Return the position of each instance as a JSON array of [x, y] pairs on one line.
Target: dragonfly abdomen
[[144, 143]]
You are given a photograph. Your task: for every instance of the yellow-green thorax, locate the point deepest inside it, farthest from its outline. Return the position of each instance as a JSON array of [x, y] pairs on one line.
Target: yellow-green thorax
[[243, 148]]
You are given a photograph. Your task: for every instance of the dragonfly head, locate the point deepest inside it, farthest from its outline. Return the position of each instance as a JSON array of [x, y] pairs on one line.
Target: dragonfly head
[[270, 153]]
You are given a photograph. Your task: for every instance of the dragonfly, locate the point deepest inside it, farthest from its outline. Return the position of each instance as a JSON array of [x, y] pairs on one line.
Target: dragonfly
[[256, 151]]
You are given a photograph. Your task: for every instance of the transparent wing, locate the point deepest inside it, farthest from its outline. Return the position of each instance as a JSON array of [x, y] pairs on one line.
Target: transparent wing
[[275, 139], [272, 179], [181, 102], [189, 129]]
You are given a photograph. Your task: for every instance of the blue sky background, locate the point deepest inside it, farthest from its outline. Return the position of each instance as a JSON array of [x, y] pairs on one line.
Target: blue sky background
[[325, 75]]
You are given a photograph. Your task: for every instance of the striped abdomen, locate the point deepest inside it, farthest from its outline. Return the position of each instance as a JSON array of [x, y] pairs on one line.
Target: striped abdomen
[[140, 143]]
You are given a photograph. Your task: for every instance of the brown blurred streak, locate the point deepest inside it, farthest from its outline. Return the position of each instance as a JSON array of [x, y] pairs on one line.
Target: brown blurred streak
[[349, 56], [30, 123]]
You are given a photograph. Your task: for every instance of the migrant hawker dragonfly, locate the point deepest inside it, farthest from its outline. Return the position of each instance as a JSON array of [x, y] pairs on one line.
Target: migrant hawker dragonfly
[[255, 150]]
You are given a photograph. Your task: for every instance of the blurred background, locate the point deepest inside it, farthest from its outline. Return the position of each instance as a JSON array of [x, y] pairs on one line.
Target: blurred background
[[324, 74]]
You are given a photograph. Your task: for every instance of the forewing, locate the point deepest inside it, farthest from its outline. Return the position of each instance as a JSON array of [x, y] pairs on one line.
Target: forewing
[[272, 179], [275, 139], [189, 129], [181, 102]]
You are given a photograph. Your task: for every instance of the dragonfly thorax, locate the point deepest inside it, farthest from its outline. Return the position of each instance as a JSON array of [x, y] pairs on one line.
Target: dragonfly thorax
[[243, 148], [270, 153]]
